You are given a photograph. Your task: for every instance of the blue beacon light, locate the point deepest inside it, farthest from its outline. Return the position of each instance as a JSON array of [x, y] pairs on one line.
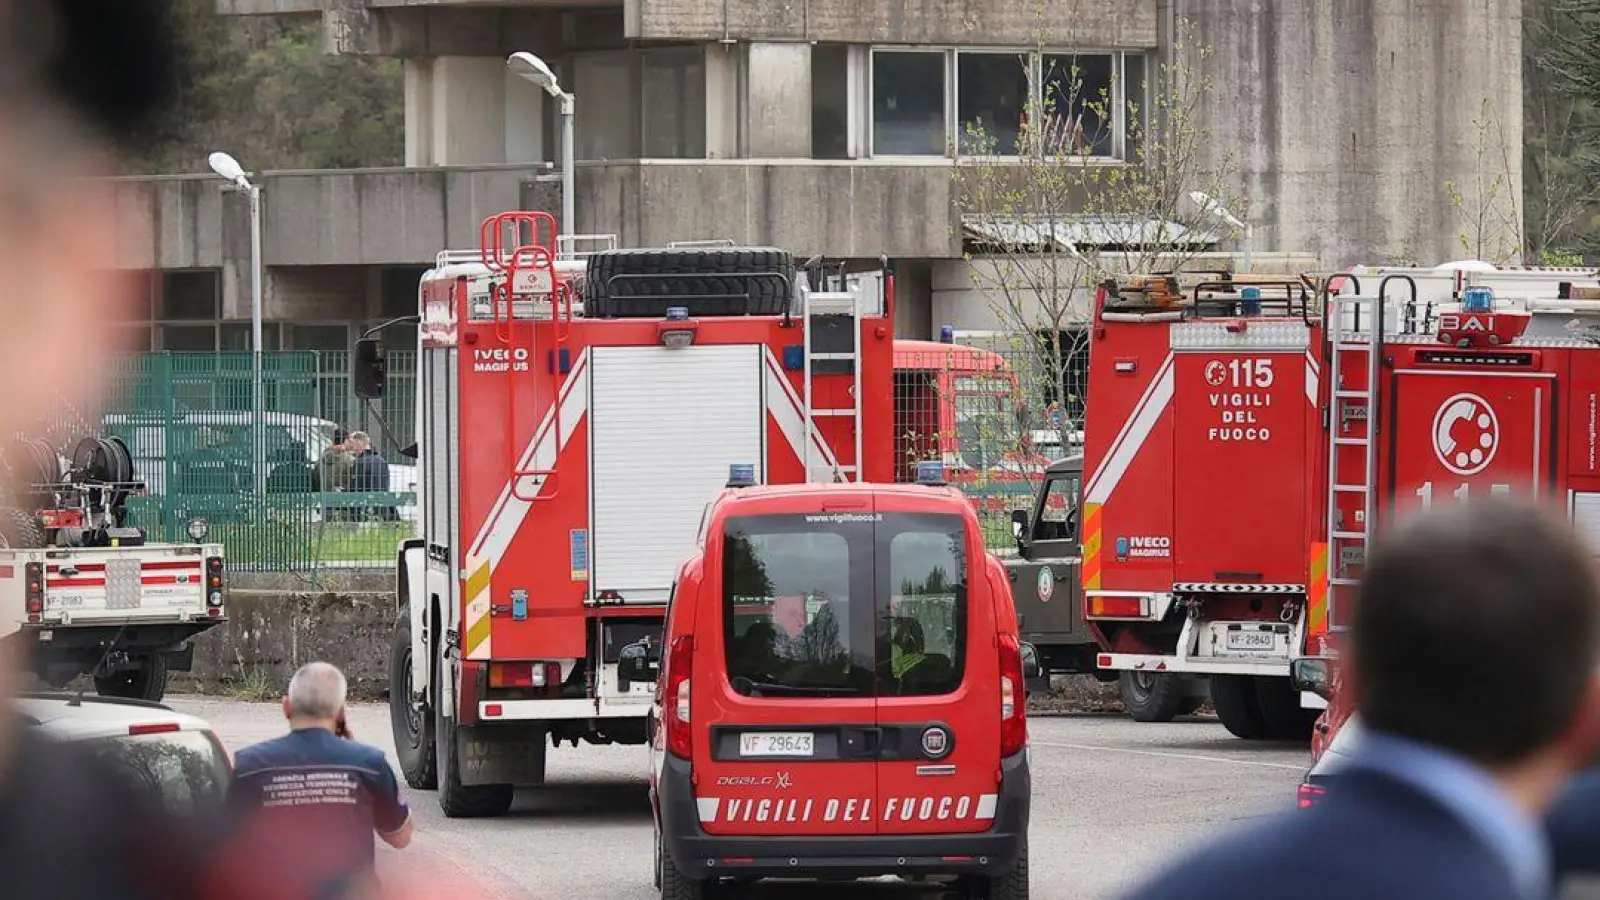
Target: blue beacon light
[[930, 473], [1477, 300], [741, 475]]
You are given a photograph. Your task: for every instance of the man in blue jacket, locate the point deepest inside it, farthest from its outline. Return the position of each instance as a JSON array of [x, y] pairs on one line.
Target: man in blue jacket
[[1473, 651]]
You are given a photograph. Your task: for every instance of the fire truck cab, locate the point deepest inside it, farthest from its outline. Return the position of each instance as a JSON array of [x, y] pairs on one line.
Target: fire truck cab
[[843, 694], [575, 416], [1297, 418]]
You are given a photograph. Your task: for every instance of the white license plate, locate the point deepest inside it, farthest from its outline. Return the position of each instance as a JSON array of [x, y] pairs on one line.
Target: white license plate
[[776, 743], [1252, 641]]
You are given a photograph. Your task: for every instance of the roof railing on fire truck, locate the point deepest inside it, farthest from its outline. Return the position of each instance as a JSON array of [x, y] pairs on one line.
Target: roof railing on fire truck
[[567, 245], [1171, 296]]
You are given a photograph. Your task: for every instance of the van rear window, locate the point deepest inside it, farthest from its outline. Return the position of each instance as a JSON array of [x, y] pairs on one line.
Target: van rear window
[[844, 606]]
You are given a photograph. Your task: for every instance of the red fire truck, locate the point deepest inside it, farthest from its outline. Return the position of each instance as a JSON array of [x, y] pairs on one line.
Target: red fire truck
[[575, 419], [1234, 481]]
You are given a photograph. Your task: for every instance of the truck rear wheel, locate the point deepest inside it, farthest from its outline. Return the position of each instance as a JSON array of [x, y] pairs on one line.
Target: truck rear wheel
[[411, 722], [20, 530], [1234, 697], [1285, 719], [148, 682], [457, 800], [1151, 696]]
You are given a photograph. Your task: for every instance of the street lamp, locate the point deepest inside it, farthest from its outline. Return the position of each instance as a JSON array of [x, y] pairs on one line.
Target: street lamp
[[532, 68], [229, 170], [1214, 208]]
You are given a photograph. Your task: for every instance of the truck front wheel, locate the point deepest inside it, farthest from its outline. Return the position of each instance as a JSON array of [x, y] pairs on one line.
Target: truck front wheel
[[147, 682], [410, 720], [1150, 696]]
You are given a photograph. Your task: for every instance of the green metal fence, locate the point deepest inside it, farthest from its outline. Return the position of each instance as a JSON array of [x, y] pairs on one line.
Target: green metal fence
[[273, 485], [275, 489]]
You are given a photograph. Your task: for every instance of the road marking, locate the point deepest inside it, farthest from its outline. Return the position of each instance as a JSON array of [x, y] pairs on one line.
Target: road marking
[[1197, 757]]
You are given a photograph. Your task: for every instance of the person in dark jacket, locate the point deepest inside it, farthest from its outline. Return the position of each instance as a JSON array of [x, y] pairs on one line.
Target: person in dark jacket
[[1474, 644], [370, 473]]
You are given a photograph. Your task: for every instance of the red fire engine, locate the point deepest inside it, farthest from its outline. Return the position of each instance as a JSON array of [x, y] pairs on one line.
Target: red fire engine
[[1234, 483], [575, 418]]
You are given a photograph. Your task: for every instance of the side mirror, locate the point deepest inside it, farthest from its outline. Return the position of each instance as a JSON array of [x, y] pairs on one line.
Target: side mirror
[[1310, 674], [368, 371], [1019, 524]]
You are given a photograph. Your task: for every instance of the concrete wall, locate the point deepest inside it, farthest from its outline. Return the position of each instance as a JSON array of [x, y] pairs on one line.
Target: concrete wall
[[1345, 119], [1086, 23]]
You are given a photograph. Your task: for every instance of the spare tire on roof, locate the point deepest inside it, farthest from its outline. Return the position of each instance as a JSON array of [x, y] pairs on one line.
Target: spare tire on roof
[[706, 281]]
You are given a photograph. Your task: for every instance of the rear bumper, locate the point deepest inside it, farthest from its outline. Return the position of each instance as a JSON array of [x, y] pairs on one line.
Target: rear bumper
[[702, 855], [1150, 662]]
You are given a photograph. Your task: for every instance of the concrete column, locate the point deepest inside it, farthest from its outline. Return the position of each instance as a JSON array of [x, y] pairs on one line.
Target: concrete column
[[419, 112], [778, 100], [469, 106], [524, 120], [722, 101]]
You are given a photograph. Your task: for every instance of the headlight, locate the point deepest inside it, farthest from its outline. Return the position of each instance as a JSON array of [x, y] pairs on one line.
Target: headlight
[[198, 529]]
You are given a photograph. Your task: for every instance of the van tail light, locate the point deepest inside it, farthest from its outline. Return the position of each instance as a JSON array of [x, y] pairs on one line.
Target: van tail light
[[34, 574], [1013, 698], [1309, 795], [680, 662], [214, 582]]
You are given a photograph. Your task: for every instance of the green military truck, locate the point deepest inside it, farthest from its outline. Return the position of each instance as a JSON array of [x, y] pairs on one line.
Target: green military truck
[[1048, 591]]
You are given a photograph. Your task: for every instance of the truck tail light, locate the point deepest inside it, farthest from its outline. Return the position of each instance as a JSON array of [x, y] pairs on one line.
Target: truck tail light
[[214, 581], [1309, 794], [35, 590], [680, 662], [1116, 607], [524, 674], [1013, 699]]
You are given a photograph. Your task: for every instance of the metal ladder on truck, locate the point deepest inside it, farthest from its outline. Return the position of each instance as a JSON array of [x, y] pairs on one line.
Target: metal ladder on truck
[[827, 314], [1352, 425]]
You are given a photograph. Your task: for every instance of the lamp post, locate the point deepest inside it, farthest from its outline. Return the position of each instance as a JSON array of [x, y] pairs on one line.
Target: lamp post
[[229, 170], [532, 68], [1213, 208]]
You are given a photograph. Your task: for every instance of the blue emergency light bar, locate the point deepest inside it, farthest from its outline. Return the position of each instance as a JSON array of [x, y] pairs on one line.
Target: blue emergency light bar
[[741, 475], [1250, 301], [931, 472], [677, 313], [1477, 299]]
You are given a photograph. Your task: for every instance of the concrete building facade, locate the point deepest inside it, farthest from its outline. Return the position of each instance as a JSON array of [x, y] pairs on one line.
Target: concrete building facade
[[829, 126]]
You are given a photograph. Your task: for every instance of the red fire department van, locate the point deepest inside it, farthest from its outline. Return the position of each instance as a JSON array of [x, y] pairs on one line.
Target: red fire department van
[[1235, 480], [842, 694]]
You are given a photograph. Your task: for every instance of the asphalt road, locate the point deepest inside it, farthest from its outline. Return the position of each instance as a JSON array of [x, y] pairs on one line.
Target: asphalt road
[[1112, 800]]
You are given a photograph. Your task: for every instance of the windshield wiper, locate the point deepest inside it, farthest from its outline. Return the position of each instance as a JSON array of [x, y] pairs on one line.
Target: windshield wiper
[[757, 688]]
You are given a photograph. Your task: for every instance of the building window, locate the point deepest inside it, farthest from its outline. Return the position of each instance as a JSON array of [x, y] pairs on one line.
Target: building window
[[672, 91], [1081, 100], [326, 338], [991, 101], [397, 289], [908, 103], [237, 336], [189, 338], [191, 295], [830, 101], [606, 129], [1081, 106]]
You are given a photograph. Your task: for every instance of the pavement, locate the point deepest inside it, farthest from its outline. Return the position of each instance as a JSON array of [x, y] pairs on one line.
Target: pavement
[[1113, 800]]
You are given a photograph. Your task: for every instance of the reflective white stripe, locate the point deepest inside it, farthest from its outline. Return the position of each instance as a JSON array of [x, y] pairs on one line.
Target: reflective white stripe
[[1134, 432], [708, 808], [986, 806], [1313, 376], [497, 531], [791, 421]]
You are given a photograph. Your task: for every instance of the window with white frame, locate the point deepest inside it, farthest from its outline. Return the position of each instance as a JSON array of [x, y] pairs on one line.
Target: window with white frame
[[924, 102]]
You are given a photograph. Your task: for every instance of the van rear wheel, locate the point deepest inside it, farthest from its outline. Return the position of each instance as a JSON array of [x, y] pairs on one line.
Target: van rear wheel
[[674, 884], [1012, 885]]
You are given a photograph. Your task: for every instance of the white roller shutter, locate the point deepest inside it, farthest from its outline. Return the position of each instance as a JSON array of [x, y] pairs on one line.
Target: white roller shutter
[[664, 426]]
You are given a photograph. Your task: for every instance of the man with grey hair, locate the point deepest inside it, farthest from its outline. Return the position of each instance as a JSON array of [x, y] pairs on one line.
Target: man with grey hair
[[313, 798]]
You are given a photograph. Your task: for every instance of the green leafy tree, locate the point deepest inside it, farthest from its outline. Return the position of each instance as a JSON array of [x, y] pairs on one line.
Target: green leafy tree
[[1561, 125]]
